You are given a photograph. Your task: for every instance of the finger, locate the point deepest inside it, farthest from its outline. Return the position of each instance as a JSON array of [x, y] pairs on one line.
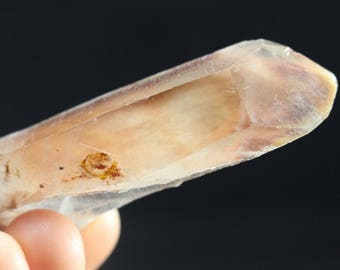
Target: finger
[[11, 255], [100, 237], [49, 240]]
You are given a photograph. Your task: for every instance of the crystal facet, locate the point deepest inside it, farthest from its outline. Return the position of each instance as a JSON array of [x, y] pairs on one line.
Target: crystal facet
[[216, 111]]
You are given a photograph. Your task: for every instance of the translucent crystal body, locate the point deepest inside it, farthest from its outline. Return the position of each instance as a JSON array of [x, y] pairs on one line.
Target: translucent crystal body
[[216, 111]]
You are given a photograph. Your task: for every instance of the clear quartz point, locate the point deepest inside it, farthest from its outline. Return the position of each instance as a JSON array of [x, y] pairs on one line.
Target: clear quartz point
[[216, 111]]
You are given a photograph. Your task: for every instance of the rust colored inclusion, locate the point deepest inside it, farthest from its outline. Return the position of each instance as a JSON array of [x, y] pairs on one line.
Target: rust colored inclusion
[[100, 165]]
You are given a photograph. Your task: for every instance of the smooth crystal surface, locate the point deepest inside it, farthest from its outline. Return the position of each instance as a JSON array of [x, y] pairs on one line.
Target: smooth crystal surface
[[216, 111]]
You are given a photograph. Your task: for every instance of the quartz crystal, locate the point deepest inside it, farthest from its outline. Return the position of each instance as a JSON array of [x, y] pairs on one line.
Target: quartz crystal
[[216, 111]]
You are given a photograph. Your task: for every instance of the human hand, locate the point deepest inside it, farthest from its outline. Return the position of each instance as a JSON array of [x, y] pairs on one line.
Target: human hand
[[43, 239]]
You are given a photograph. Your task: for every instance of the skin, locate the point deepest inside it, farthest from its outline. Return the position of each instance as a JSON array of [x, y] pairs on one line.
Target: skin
[[43, 239]]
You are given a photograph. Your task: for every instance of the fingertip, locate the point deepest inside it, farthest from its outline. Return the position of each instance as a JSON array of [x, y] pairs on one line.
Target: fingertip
[[49, 240], [11, 255], [100, 237]]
